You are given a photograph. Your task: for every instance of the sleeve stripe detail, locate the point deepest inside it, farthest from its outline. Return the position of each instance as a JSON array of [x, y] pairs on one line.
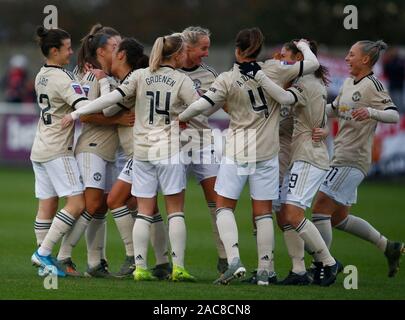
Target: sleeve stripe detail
[[122, 106], [208, 99], [69, 74], [120, 91], [76, 70], [301, 68], [90, 77], [78, 100], [391, 108], [378, 85], [295, 96], [208, 68]]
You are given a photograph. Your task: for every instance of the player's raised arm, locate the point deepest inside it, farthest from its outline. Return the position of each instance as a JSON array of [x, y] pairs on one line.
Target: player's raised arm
[[310, 63]]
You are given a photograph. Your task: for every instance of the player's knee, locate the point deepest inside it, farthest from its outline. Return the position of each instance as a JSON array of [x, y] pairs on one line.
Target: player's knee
[[338, 217], [322, 203], [132, 204], [93, 207], [112, 203], [280, 221], [75, 206]]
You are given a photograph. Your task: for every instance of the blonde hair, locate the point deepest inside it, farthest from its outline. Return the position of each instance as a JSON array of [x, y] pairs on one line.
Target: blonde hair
[[164, 48], [372, 49], [193, 34]]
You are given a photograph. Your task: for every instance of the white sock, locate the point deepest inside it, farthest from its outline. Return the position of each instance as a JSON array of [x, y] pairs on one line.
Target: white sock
[[125, 224], [217, 239], [228, 231], [265, 241], [295, 248], [72, 237], [61, 224], [140, 236], [159, 239], [364, 230], [324, 226], [271, 262], [95, 239], [41, 228], [103, 235], [177, 236], [313, 240]]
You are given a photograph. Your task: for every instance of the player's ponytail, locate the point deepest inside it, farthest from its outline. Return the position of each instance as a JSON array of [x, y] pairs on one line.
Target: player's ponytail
[[164, 48], [135, 57], [91, 42], [249, 42], [372, 49], [52, 38]]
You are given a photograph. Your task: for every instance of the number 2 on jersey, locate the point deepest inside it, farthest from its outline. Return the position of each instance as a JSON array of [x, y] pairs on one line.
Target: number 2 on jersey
[[45, 116], [154, 105], [262, 107]]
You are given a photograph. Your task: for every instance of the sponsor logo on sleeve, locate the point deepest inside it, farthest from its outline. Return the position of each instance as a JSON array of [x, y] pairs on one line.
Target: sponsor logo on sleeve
[[77, 88]]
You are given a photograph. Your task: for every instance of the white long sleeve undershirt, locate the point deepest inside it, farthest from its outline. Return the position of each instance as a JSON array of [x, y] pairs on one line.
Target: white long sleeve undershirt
[[275, 91], [97, 105], [195, 109], [310, 62], [105, 89], [386, 116]]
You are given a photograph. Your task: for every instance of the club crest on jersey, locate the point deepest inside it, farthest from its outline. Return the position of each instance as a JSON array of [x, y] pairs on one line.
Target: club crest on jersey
[[356, 96], [287, 63], [77, 88], [97, 176], [197, 84], [284, 111]]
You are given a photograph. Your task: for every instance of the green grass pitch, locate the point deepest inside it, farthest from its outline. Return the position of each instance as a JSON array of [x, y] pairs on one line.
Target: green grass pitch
[[382, 204]]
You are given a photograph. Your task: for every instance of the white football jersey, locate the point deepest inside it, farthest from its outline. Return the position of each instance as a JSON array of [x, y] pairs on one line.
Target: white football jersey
[[58, 91], [160, 97]]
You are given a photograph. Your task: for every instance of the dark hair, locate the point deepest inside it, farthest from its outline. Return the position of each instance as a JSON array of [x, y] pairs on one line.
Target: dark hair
[[250, 42], [322, 72], [96, 38], [52, 38], [372, 49], [135, 57]]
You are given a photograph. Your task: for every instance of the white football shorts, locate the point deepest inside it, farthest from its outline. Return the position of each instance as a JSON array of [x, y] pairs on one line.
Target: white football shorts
[[262, 177], [59, 177], [202, 163], [301, 184], [341, 184], [126, 172], [96, 172], [167, 176]]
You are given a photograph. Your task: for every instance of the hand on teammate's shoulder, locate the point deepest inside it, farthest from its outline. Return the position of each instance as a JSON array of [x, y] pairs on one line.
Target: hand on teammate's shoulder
[[249, 69]]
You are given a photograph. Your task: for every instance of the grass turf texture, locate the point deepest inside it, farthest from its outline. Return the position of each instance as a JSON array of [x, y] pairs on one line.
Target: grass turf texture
[[382, 204]]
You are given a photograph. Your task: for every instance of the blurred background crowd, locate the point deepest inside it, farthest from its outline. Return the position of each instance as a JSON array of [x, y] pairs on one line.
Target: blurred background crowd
[[280, 21]]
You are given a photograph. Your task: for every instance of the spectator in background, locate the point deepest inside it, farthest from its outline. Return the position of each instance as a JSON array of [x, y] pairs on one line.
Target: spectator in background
[[17, 83], [394, 70]]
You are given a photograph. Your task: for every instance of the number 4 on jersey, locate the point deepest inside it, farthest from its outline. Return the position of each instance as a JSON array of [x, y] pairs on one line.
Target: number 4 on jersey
[[262, 107]]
